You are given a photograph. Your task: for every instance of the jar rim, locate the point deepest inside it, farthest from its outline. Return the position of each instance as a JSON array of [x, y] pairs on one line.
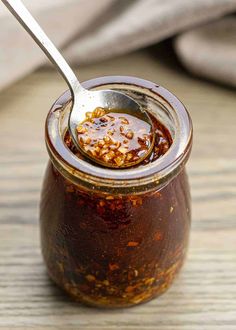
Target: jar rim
[[151, 174]]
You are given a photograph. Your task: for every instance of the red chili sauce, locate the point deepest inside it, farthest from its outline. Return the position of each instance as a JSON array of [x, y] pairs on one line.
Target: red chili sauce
[[115, 250]]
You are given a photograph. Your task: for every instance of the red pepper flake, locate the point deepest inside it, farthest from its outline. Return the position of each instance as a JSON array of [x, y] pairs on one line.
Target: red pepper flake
[[130, 275], [132, 244], [149, 281], [90, 278], [113, 267], [109, 198], [136, 200], [130, 288], [158, 236]]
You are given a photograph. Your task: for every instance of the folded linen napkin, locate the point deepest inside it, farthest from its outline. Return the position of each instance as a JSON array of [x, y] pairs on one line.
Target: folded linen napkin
[[210, 51], [92, 30]]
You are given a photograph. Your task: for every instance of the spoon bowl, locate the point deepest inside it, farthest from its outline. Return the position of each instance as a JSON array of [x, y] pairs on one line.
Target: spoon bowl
[[86, 101], [114, 101]]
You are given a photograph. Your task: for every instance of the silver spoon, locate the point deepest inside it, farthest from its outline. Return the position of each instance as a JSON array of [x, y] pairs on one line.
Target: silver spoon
[[83, 100]]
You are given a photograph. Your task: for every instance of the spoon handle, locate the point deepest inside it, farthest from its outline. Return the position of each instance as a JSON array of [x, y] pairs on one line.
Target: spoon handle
[[17, 8]]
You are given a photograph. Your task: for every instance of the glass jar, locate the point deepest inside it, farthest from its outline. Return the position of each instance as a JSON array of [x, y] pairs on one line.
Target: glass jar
[[115, 238]]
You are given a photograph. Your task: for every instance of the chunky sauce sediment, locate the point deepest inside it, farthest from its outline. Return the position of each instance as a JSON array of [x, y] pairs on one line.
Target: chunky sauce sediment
[[115, 250], [115, 138]]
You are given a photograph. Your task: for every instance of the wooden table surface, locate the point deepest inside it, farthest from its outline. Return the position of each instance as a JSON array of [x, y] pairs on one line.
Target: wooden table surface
[[204, 295]]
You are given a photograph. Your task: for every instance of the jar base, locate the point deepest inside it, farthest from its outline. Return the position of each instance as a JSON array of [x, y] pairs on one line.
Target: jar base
[[104, 302]]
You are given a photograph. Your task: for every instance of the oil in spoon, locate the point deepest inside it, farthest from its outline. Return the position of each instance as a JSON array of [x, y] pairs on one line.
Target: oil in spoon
[[115, 137]]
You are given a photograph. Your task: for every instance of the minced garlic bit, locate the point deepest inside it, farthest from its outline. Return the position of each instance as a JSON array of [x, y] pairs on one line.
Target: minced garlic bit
[[114, 137]]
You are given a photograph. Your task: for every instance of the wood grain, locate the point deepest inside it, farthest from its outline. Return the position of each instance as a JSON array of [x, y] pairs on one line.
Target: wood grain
[[204, 295]]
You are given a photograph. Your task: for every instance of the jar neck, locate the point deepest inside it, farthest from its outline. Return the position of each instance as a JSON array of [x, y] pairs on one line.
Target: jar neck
[[161, 103]]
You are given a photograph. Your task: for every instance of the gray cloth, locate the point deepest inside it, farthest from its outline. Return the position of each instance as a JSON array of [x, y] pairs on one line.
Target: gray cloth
[[93, 30], [210, 51]]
